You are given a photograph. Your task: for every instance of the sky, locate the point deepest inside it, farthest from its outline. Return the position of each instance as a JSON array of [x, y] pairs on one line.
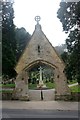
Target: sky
[[26, 10]]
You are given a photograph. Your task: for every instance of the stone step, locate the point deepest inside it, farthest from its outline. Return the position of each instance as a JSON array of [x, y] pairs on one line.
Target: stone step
[[48, 95]]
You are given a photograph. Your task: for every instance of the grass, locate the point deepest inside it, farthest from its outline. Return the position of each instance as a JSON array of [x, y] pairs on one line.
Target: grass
[[50, 85], [32, 86], [72, 82], [75, 88], [7, 85], [6, 91]]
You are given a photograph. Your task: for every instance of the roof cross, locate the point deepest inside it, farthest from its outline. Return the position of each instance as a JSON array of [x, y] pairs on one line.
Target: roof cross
[[37, 19]]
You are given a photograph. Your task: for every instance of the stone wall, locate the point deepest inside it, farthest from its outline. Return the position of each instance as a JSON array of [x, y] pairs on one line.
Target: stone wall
[[39, 49]]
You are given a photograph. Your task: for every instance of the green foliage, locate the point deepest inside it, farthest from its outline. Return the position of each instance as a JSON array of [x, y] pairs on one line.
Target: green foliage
[[61, 48], [14, 41], [47, 73], [69, 15], [64, 57], [8, 85], [6, 91], [8, 40], [22, 38], [50, 85], [72, 82], [32, 86], [75, 88], [0, 38]]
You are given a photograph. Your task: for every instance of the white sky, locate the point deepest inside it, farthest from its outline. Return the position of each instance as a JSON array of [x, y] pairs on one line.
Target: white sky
[[26, 10]]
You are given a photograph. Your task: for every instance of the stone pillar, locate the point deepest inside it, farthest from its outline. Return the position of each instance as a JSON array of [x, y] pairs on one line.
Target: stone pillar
[[21, 89], [26, 81], [62, 90]]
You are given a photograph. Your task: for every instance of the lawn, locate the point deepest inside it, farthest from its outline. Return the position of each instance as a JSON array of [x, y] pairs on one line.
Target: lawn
[[72, 82], [75, 88], [32, 86], [49, 85], [6, 91], [7, 85]]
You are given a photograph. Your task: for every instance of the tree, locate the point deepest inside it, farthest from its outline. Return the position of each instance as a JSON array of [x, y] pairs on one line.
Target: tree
[[61, 48], [0, 38], [69, 15], [22, 38], [8, 40], [64, 57]]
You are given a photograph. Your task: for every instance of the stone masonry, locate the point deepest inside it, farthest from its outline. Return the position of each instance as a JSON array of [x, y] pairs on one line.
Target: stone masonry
[[40, 50]]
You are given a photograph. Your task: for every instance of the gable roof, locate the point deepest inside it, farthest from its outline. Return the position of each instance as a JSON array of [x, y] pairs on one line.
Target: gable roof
[[31, 54]]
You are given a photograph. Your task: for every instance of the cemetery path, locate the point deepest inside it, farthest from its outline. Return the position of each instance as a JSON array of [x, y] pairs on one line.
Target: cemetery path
[[52, 105], [39, 109], [73, 84]]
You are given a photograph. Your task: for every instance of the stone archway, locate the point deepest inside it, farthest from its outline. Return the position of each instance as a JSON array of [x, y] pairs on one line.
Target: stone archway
[[39, 50], [61, 87], [35, 94]]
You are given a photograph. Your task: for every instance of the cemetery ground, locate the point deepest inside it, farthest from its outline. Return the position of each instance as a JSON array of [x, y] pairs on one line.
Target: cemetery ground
[[8, 87], [7, 91], [40, 109]]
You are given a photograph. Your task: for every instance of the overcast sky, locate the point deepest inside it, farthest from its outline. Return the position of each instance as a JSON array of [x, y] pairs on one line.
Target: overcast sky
[[26, 10]]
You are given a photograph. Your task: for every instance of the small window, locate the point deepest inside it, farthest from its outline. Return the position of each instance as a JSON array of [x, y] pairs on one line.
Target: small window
[[58, 76], [38, 48]]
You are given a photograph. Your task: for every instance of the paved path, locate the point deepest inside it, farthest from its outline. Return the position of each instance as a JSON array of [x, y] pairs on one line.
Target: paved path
[[52, 105], [18, 113], [39, 109], [48, 94], [73, 84]]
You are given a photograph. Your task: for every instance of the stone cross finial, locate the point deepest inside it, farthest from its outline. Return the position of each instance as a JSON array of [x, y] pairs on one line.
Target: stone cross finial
[[37, 19]]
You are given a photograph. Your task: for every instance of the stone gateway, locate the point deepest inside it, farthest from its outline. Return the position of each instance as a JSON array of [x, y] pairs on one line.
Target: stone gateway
[[40, 51]]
